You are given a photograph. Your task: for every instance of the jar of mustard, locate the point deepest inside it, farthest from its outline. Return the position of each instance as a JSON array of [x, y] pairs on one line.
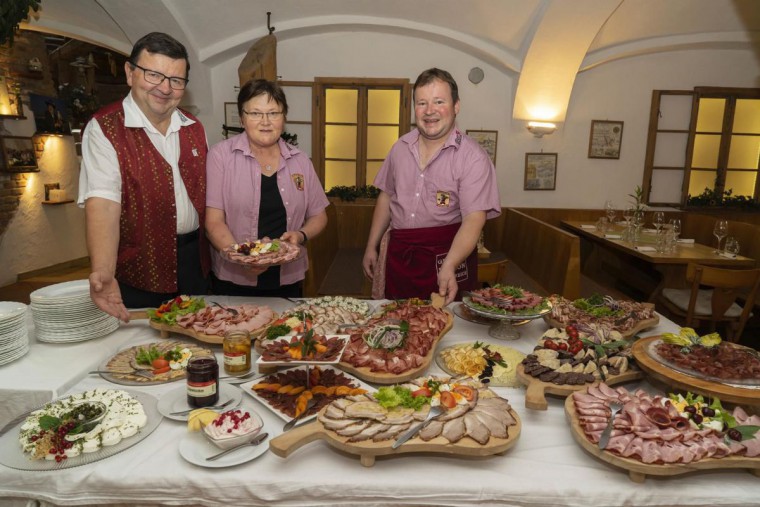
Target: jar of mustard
[[237, 352]]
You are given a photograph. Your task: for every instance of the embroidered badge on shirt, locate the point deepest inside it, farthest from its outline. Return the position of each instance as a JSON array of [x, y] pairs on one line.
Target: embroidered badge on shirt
[[442, 199], [458, 139], [298, 181], [195, 152]]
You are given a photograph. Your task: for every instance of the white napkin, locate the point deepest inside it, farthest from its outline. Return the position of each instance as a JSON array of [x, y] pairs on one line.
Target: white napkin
[[588, 226], [613, 236], [685, 241], [649, 230], [728, 255], [644, 248]]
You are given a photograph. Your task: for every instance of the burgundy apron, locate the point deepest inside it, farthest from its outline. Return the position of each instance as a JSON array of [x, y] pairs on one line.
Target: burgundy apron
[[414, 258]]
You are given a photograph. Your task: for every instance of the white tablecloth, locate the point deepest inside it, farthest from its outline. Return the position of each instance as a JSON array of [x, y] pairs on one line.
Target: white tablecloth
[[545, 467]]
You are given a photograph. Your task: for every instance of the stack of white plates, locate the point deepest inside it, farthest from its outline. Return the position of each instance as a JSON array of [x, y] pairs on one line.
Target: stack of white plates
[[65, 313], [14, 339]]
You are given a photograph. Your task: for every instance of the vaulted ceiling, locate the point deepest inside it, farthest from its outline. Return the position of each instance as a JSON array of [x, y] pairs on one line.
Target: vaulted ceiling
[[516, 36]]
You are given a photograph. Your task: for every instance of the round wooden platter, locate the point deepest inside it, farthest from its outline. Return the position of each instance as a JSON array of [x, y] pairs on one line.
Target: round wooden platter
[[165, 329], [535, 395], [364, 373], [292, 440], [638, 470], [640, 326], [678, 380]]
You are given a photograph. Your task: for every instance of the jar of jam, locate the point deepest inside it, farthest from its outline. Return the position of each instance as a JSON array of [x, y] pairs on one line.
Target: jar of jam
[[202, 381], [237, 352]]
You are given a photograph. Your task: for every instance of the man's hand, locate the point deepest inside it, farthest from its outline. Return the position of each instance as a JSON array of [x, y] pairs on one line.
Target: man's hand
[[368, 263], [447, 284], [105, 293], [292, 237]]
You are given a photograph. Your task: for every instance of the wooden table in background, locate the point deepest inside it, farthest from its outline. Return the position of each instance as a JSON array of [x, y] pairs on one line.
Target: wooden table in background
[[491, 269], [665, 269]]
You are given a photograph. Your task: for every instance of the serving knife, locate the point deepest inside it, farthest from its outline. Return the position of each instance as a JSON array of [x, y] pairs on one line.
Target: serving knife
[[253, 442], [434, 412]]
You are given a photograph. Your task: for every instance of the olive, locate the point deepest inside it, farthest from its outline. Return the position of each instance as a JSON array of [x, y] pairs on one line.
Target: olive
[[735, 434], [697, 418], [708, 412], [690, 409]]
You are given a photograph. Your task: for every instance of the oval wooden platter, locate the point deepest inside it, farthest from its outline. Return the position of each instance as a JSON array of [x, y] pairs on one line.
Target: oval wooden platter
[[638, 470], [292, 440], [364, 373], [165, 329], [537, 389], [678, 380], [640, 326]]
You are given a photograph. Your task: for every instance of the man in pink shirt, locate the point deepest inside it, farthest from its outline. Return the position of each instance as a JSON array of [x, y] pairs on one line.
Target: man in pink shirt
[[438, 187]]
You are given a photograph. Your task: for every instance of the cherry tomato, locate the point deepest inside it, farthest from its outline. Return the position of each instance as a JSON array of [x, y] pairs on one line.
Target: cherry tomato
[[159, 363], [575, 348], [549, 344], [448, 400], [562, 346], [466, 391], [159, 371], [422, 391]]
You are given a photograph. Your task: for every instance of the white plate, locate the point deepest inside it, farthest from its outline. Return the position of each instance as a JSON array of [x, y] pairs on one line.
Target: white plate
[[195, 448], [12, 456], [10, 309], [176, 401], [61, 291], [343, 337], [247, 388]]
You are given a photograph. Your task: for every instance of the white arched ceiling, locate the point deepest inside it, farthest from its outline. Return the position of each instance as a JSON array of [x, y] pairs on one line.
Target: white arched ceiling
[[557, 49]]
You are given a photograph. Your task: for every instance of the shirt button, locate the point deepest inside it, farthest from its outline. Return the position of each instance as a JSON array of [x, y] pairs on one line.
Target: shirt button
[[412, 215], [417, 194]]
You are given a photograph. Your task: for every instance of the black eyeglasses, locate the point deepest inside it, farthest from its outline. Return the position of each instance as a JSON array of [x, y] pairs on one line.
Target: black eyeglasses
[[156, 78]]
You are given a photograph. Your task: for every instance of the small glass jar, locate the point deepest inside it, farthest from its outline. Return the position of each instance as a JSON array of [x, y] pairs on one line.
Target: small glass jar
[[237, 352], [202, 381]]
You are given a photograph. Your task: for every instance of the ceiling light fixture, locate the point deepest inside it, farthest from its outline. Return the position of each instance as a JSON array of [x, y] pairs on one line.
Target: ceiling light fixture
[[541, 128]]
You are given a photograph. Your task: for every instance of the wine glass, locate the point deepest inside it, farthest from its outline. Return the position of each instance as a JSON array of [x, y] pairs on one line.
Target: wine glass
[[675, 226], [628, 215], [609, 208], [732, 246], [658, 219], [720, 231]]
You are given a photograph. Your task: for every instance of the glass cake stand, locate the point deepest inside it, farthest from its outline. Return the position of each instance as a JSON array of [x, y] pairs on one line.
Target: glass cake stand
[[503, 328]]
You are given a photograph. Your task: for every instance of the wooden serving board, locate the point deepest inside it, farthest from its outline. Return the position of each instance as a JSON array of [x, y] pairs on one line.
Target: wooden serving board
[[678, 380], [638, 470], [207, 338], [640, 326], [290, 441], [364, 373], [535, 395]]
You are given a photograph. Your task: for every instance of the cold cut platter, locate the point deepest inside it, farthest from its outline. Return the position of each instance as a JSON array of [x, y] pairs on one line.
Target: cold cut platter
[[264, 252], [396, 344], [626, 317], [659, 368], [566, 361], [672, 446], [152, 363], [475, 422], [210, 323]]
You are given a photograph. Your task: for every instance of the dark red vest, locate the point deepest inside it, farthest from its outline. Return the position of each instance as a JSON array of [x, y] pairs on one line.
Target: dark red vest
[[147, 256]]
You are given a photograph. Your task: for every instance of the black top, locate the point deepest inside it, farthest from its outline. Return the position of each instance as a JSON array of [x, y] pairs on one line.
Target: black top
[[272, 223]]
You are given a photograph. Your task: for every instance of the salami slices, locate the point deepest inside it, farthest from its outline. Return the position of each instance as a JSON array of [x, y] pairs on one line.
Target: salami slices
[[262, 252]]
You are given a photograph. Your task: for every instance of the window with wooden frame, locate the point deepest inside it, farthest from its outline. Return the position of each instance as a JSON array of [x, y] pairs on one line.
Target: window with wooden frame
[[708, 138], [358, 120]]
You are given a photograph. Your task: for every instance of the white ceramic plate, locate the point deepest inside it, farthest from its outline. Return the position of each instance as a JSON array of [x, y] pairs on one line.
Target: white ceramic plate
[[195, 448], [61, 290], [12, 456], [11, 309], [176, 401], [343, 337]]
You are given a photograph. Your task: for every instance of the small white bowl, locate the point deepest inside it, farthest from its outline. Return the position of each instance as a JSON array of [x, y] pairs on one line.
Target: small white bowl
[[232, 441]]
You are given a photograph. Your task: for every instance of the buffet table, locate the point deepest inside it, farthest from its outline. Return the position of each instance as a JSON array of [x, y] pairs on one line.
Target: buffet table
[[545, 467]]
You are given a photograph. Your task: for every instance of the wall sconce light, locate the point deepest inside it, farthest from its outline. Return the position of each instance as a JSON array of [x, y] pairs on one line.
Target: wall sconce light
[[541, 128]]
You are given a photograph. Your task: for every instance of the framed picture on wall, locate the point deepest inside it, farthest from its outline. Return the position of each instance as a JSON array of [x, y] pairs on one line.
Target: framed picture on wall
[[605, 139], [540, 171], [10, 103], [231, 116], [487, 140], [18, 154], [50, 115]]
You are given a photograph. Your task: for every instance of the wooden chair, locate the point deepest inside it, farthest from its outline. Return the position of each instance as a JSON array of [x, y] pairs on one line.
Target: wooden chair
[[492, 270], [718, 302]]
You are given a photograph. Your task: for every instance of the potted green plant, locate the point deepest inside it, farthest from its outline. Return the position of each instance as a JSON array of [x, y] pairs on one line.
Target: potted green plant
[[13, 12]]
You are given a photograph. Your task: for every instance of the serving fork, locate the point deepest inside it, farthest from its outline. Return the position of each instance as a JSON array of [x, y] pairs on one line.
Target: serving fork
[[214, 407], [615, 407], [139, 373]]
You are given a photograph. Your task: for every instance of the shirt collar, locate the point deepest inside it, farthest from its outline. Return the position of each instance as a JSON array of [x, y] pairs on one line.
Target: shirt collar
[[240, 143], [135, 118], [453, 140]]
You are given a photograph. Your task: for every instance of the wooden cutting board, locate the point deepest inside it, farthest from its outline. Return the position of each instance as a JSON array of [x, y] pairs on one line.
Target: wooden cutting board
[[638, 470], [535, 395], [165, 329], [364, 373], [290, 441], [640, 326], [694, 384]]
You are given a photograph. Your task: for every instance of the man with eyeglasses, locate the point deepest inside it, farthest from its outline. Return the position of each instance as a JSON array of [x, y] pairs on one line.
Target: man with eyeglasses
[[143, 186]]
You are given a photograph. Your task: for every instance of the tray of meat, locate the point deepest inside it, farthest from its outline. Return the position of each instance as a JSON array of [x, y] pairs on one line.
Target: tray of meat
[[506, 302], [263, 252], [308, 348], [660, 435], [210, 323], [626, 317]]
